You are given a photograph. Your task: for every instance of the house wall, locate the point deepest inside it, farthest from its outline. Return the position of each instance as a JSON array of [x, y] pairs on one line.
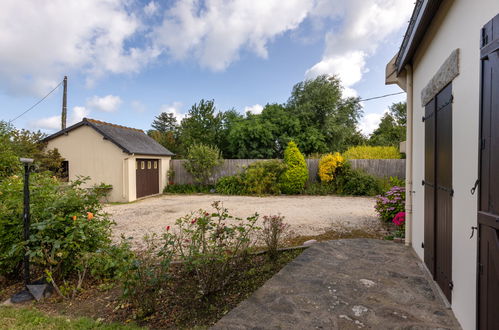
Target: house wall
[[456, 25], [89, 154]]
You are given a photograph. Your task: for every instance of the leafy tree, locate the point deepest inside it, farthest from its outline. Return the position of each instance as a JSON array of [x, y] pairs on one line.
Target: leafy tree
[[202, 125], [201, 162], [9, 162], [392, 127], [328, 120]]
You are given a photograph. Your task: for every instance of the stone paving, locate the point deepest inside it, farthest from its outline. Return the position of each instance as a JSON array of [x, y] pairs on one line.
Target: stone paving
[[346, 284]]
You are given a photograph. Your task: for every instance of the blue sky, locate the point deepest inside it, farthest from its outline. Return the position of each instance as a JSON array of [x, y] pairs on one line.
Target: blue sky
[[128, 60]]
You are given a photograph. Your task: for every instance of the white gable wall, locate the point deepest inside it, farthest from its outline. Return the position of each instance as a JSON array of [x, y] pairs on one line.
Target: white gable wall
[[89, 154], [456, 25]]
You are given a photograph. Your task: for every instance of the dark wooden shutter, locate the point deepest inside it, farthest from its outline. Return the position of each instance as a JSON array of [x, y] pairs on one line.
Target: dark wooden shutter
[[429, 188], [438, 189], [444, 191], [488, 201]]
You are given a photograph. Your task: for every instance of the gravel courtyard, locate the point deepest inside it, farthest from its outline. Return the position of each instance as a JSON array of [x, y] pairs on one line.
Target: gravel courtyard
[[307, 215]]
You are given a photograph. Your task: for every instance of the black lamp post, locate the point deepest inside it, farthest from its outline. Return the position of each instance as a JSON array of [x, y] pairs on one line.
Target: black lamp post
[[37, 289]]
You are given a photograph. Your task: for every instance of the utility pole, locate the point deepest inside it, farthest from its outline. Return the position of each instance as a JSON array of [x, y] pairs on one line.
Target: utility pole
[[64, 103]]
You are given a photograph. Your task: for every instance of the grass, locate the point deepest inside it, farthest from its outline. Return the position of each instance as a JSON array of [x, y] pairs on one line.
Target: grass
[[24, 318]]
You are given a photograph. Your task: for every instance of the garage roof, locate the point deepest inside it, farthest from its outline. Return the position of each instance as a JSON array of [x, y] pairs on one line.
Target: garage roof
[[130, 140]]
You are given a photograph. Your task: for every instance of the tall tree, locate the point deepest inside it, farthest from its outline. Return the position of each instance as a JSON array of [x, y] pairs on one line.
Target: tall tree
[[392, 127], [165, 122], [165, 131]]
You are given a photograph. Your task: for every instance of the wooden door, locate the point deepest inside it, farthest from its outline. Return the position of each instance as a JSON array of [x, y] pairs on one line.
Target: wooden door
[[147, 177], [488, 200], [438, 189]]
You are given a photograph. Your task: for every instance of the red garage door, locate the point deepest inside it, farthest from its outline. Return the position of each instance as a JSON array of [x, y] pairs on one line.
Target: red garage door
[[147, 177]]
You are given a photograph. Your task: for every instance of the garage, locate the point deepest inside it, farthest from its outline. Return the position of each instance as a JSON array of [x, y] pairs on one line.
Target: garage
[[147, 177]]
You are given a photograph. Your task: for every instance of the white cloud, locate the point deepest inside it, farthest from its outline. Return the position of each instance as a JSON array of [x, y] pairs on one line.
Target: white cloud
[[254, 109], [151, 8], [365, 25], [215, 31], [138, 106], [53, 123], [108, 103], [41, 41], [173, 108], [370, 122]]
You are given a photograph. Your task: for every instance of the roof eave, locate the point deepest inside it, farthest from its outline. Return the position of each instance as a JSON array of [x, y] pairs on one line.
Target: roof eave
[[421, 18]]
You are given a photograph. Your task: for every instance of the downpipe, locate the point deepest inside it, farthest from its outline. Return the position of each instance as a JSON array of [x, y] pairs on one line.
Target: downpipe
[[409, 153]]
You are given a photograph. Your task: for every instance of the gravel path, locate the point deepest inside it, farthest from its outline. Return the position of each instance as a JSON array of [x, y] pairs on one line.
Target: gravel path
[[307, 215]]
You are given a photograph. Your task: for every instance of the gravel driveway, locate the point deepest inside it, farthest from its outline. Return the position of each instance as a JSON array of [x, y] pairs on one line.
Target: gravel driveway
[[307, 215]]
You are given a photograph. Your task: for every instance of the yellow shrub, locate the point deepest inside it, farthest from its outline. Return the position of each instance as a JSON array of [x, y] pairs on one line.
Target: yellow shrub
[[369, 152], [328, 165]]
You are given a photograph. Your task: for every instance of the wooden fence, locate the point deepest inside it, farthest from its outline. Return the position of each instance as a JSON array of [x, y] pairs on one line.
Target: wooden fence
[[377, 167]]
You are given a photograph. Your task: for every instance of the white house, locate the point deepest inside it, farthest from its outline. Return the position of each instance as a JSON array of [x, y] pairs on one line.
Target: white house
[[126, 158], [448, 64]]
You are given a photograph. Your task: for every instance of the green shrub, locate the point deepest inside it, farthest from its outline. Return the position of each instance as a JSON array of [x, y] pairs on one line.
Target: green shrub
[[262, 177], [230, 185], [187, 189], [370, 152], [211, 247], [201, 162], [293, 180], [66, 224], [355, 182]]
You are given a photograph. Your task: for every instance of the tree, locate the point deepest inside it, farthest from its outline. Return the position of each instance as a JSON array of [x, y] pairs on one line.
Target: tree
[[201, 162], [165, 122], [201, 125], [392, 127], [328, 120]]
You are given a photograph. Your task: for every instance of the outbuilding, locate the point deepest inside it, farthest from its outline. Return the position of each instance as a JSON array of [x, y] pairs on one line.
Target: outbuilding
[[134, 164], [448, 64]]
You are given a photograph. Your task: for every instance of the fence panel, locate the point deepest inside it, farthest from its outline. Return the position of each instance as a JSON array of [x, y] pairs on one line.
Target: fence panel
[[377, 167]]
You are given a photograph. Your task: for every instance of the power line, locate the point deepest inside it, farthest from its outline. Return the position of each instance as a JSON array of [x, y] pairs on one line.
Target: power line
[[39, 101], [379, 97]]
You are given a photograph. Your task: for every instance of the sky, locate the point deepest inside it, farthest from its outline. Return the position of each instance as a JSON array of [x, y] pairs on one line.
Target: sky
[[129, 60]]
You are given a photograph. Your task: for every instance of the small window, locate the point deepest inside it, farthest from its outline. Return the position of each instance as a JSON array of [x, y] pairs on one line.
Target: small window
[[142, 165], [64, 171], [149, 165], [155, 164]]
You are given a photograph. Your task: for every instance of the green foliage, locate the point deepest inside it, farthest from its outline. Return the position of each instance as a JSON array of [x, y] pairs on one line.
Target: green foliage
[[112, 261], [66, 225], [292, 181], [187, 189], [355, 182], [392, 127], [211, 246], [263, 177], [370, 152], [230, 185], [319, 188], [201, 162], [202, 125]]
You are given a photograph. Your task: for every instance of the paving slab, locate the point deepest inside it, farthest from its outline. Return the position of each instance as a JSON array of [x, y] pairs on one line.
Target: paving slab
[[346, 284]]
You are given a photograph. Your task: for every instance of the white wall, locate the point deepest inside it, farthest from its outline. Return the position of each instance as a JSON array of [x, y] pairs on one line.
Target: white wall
[[457, 25]]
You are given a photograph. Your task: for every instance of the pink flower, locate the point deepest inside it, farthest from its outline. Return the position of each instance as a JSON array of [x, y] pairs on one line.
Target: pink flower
[[193, 221], [399, 219], [167, 228]]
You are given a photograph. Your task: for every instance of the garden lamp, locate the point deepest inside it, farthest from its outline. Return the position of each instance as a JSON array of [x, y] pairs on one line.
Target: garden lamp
[[37, 289]]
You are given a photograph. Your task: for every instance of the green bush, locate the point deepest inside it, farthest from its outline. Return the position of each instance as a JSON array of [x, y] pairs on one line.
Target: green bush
[[230, 185], [370, 152], [355, 182], [201, 162], [319, 188], [293, 180], [187, 189], [263, 177]]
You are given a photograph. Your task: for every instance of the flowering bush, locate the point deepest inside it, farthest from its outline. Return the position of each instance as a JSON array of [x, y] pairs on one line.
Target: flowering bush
[[66, 225], [328, 164], [390, 203], [273, 232], [399, 221], [210, 246]]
